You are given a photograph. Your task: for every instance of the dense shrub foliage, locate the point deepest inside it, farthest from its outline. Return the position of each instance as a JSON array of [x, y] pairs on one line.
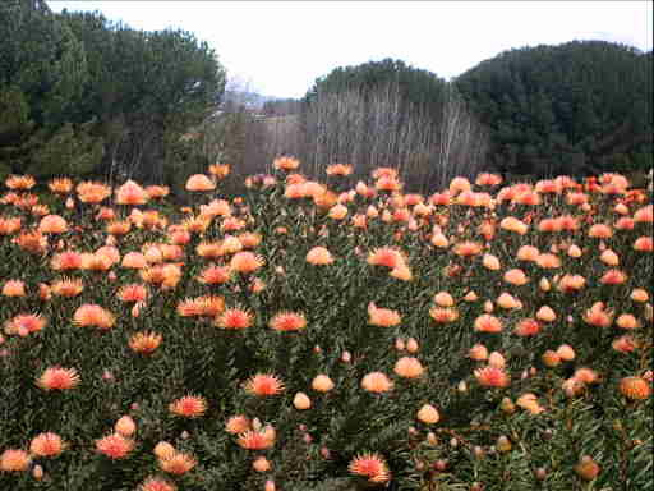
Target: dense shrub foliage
[[325, 336]]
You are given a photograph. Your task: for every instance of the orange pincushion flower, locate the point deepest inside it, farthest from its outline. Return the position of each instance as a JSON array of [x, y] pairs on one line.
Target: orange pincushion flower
[[613, 277], [644, 215], [199, 183], [93, 315], [24, 324], [586, 375], [639, 295], [157, 191], [319, 256], [179, 463], [212, 305], [157, 484], [528, 253], [286, 163], [47, 445], [13, 288], [118, 227], [549, 225], [131, 193], [14, 460], [491, 262], [20, 182], [551, 358], [527, 198], [508, 301], [386, 256], [191, 307], [91, 192], [609, 257], [67, 287], [245, 262], [110, 252], [61, 186], [635, 388], [145, 342], [528, 327], [53, 224], [263, 385], [9, 226], [402, 273], [261, 464], [598, 316], [288, 321], [322, 383], [339, 170], [571, 283], [231, 224], [459, 184], [444, 299], [587, 468], [370, 466], [96, 262], [196, 223], [34, 242], [497, 360], [219, 170], [57, 378], [133, 293], [516, 277], [105, 213], [257, 439], [383, 317], [210, 250], [134, 260], [409, 367], [488, 323], [250, 239], [492, 377], [27, 201], [234, 319], [478, 352], [546, 314], [376, 382], [443, 315], [125, 426], [512, 224], [644, 244], [189, 406], [237, 424], [624, 344], [467, 249], [627, 321], [600, 231], [548, 261], [488, 180], [384, 172], [388, 184]]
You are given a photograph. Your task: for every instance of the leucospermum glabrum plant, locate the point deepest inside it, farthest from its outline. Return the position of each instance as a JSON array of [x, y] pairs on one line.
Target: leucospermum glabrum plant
[[338, 335]]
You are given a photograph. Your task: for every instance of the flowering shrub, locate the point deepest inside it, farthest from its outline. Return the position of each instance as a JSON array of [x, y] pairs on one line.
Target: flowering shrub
[[298, 338]]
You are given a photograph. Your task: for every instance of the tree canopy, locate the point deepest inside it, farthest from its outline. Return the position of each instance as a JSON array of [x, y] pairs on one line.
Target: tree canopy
[[578, 107], [79, 93]]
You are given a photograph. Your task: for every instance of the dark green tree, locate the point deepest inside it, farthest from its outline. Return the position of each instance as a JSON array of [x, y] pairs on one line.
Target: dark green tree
[[580, 107]]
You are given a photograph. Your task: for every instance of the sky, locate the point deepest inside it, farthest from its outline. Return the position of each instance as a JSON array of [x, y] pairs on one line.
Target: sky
[[279, 48]]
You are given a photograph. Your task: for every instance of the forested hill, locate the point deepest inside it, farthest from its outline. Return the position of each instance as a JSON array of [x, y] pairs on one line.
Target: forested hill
[[580, 106]]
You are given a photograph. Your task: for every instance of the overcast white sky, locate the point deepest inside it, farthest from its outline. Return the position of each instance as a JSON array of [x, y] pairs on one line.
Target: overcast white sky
[[281, 47]]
